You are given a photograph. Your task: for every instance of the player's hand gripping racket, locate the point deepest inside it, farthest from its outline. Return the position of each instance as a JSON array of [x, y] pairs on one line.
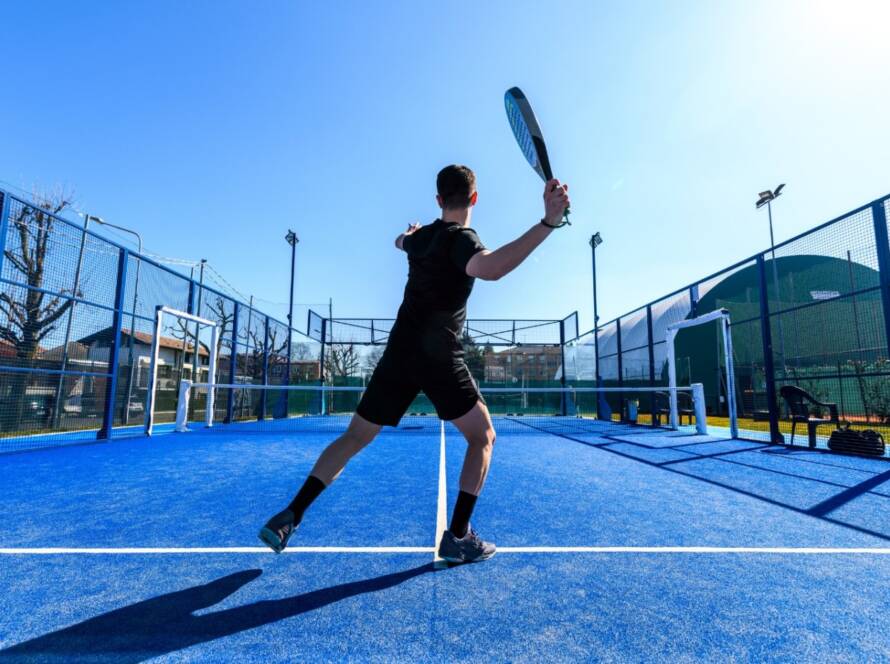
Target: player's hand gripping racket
[[528, 135]]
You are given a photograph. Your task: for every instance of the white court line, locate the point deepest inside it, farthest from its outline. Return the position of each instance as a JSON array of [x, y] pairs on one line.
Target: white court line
[[787, 550], [441, 506], [692, 549], [127, 551]]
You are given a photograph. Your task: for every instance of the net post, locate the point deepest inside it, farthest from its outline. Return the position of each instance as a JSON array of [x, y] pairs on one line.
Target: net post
[[211, 375], [182, 405], [698, 404]]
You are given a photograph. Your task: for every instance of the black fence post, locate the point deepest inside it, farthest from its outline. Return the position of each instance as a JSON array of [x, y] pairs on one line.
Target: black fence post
[[651, 348], [768, 366], [882, 244], [263, 404], [5, 205], [324, 336], [563, 407], [620, 359], [233, 365], [115, 346]]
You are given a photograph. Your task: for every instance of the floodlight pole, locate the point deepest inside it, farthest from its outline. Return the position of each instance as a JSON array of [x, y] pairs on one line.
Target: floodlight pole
[[292, 240], [769, 197], [595, 241]]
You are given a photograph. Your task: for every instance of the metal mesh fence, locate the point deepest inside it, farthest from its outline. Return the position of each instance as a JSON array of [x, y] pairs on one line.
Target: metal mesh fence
[[77, 317], [813, 312], [77, 324], [498, 352]]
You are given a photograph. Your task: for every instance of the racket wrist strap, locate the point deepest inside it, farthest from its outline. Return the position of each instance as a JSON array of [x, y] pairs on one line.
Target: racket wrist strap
[[564, 222]]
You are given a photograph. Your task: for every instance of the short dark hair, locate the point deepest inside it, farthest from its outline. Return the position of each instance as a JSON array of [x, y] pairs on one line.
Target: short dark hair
[[456, 184]]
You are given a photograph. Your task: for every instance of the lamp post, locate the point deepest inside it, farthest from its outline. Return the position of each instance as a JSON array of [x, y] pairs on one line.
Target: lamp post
[[292, 240], [99, 220], [766, 198], [595, 241]]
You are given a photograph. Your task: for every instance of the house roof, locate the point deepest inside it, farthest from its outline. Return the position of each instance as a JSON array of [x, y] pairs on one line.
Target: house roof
[[75, 350], [145, 338]]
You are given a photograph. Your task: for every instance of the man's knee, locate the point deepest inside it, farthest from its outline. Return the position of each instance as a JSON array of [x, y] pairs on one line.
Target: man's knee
[[483, 439], [359, 436]]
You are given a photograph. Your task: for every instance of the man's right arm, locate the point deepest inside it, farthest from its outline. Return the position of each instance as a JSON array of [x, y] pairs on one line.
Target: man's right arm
[[492, 265]]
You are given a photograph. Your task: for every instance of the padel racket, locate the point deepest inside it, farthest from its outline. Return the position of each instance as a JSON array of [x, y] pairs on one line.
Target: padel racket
[[528, 135]]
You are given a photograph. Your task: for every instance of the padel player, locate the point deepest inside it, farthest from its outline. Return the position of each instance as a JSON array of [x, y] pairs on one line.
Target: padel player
[[424, 352]]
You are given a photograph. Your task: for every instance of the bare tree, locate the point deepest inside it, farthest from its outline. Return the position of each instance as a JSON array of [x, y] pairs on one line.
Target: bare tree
[[29, 316], [474, 356], [373, 358], [301, 351], [341, 360], [180, 331], [223, 317], [274, 347]]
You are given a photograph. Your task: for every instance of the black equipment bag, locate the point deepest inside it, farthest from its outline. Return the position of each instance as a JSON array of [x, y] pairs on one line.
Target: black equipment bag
[[848, 441]]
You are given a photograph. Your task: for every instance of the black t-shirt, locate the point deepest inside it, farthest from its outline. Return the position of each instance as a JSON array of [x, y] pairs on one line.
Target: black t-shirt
[[438, 284]]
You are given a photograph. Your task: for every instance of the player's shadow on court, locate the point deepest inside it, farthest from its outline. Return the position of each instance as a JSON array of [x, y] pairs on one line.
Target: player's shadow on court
[[168, 623]]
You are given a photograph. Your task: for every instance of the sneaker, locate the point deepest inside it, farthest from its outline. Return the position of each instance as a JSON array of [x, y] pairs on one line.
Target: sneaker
[[467, 549], [278, 530]]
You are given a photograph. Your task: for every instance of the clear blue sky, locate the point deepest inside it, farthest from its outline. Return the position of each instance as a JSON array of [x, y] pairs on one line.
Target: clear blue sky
[[212, 127]]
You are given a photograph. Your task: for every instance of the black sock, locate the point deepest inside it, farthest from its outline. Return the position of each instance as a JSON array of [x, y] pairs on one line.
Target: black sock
[[310, 490], [460, 518]]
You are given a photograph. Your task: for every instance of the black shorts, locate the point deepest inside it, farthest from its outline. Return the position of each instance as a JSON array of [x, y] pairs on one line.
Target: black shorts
[[403, 371]]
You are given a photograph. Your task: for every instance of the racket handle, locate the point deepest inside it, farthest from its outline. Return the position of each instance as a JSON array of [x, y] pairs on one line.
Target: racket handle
[[565, 213]]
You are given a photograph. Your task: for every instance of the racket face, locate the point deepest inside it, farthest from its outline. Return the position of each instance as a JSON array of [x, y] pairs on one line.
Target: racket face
[[527, 132]]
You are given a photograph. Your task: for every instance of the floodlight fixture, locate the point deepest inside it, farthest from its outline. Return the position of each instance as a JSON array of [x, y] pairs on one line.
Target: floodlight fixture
[[768, 196]]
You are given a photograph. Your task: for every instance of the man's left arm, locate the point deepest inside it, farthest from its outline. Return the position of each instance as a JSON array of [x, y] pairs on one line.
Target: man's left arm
[[400, 241]]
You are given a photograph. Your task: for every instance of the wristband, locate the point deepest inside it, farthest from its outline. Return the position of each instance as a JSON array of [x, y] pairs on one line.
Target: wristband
[[560, 225]]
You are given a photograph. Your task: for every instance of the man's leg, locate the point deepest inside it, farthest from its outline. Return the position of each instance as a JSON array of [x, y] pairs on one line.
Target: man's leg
[[336, 455], [460, 543], [327, 468], [479, 433]]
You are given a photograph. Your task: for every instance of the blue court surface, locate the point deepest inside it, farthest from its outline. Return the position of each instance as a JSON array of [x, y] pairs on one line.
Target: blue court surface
[[630, 545]]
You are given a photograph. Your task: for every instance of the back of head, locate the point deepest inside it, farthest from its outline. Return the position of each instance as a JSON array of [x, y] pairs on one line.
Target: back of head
[[456, 184]]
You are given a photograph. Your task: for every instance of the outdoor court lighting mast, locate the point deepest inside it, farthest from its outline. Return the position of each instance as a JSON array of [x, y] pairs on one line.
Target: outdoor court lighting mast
[[595, 241], [292, 240], [766, 198]]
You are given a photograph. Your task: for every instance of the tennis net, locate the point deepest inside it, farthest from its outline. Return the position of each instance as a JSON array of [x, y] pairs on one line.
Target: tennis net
[[278, 408]]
